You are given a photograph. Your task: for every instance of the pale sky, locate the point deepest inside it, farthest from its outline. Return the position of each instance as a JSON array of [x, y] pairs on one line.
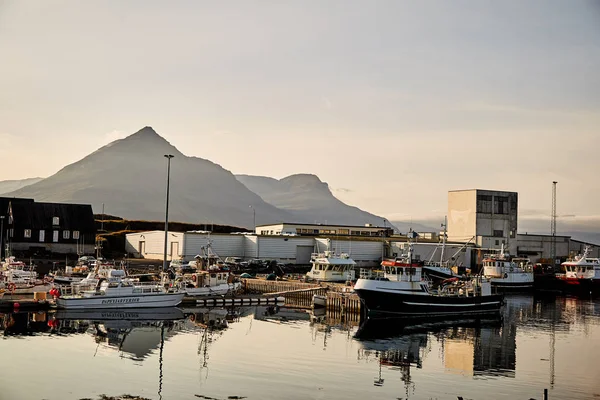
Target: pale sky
[[392, 103]]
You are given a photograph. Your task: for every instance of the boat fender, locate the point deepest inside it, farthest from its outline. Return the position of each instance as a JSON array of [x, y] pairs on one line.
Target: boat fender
[[11, 287], [505, 275]]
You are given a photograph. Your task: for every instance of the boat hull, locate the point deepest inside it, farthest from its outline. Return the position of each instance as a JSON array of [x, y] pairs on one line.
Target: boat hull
[[218, 290], [120, 302], [381, 304]]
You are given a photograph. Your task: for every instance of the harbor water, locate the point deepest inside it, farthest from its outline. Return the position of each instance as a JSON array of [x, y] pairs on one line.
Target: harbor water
[[270, 352]]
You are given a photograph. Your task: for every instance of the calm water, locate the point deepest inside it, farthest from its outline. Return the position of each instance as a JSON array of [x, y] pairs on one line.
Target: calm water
[[549, 343]]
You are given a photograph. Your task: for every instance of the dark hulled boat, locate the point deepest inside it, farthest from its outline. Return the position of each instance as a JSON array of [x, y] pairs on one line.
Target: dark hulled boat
[[400, 291]]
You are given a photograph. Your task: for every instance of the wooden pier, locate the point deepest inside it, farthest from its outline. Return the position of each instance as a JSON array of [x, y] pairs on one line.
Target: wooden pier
[[300, 294]]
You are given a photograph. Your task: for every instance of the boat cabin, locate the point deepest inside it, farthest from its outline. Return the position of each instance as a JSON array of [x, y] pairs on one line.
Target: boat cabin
[[330, 267]]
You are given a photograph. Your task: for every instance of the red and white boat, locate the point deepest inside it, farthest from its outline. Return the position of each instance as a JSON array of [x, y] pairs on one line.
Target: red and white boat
[[582, 271]]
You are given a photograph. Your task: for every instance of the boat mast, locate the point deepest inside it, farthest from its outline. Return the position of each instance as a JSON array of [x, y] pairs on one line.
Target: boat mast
[[443, 240]]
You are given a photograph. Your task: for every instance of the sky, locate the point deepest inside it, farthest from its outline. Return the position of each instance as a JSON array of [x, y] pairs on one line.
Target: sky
[[392, 103]]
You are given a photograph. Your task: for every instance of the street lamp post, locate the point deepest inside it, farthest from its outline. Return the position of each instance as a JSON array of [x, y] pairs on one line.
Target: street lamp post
[[1, 236], [254, 216], [168, 157]]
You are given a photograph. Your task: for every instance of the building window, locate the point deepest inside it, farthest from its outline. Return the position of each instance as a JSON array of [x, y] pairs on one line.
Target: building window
[[498, 233], [55, 221], [11, 232], [66, 234], [497, 242], [27, 233], [55, 236], [500, 205], [42, 236], [344, 232], [484, 203], [76, 235]]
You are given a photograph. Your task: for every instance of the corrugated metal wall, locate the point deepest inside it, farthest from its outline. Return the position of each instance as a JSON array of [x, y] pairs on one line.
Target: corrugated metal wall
[[281, 248], [364, 252], [250, 247], [154, 244], [222, 244]]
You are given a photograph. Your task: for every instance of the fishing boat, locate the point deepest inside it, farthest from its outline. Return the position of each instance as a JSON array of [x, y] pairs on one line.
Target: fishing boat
[[120, 294], [331, 267], [215, 281], [581, 272], [508, 273], [400, 290], [19, 278]]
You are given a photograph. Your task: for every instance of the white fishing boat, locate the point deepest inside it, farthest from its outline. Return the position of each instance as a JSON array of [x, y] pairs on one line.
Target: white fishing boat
[[331, 267], [120, 294], [213, 282], [508, 273]]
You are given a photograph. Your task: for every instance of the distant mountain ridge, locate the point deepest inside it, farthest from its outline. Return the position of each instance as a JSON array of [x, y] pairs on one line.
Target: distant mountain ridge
[[128, 177], [306, 196], [12, 185]]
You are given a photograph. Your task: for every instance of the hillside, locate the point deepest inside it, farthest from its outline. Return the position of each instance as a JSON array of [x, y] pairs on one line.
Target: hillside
[[309, 199]]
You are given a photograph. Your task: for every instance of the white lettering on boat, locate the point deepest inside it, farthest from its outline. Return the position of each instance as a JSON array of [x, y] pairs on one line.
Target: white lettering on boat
[[118, 301]]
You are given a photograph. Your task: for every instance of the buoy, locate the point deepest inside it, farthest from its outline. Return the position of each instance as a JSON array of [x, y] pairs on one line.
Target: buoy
[[16, 305]]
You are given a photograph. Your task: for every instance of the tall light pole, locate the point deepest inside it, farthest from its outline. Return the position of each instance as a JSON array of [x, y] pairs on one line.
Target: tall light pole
[[1, 235], [168, 157], [553, 226], [254, 215]]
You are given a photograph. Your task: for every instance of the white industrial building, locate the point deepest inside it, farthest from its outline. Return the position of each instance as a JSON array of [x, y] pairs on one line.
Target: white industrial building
[[285, 249], [320, 229], [538, 247], [486, 217]]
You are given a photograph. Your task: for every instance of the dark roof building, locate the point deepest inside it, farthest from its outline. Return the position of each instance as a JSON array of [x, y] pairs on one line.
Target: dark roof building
[[48, 227]]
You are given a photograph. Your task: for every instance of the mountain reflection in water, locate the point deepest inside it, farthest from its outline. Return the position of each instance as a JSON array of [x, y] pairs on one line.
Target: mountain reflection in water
[[274, 352]]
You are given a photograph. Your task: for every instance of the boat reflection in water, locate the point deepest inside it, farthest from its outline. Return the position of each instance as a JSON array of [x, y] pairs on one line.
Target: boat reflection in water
[[479, 347]]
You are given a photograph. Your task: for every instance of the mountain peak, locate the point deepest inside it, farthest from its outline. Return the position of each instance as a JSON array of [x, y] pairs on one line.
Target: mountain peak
[[304, 179], [146, 131]]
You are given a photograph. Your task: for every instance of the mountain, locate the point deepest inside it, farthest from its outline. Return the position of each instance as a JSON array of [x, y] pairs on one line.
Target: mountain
[[128, 177], [12, 185], [309, 199]]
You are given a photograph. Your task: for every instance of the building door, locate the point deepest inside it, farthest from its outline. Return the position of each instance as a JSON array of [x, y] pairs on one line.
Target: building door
[[55, 236], [303, 254], [142, 248], [174, 250]]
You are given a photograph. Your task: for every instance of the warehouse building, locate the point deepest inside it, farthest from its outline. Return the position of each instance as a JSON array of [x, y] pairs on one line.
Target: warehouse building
[[320, 229]]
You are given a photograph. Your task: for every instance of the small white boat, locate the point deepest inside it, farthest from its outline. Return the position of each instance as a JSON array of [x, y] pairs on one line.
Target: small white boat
[[121, 294], [508, 273], [319, 301], [214, 282], [331, 267]]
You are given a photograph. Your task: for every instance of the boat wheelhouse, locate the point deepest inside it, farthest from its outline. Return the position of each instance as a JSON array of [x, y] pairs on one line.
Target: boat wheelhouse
[[330, 267], [508, 273]]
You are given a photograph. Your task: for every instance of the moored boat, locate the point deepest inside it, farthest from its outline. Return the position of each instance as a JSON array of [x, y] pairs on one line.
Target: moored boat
[[215, 281], [508, 273], [331, 267], [400, 291], [121, 294], [583, 272]]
